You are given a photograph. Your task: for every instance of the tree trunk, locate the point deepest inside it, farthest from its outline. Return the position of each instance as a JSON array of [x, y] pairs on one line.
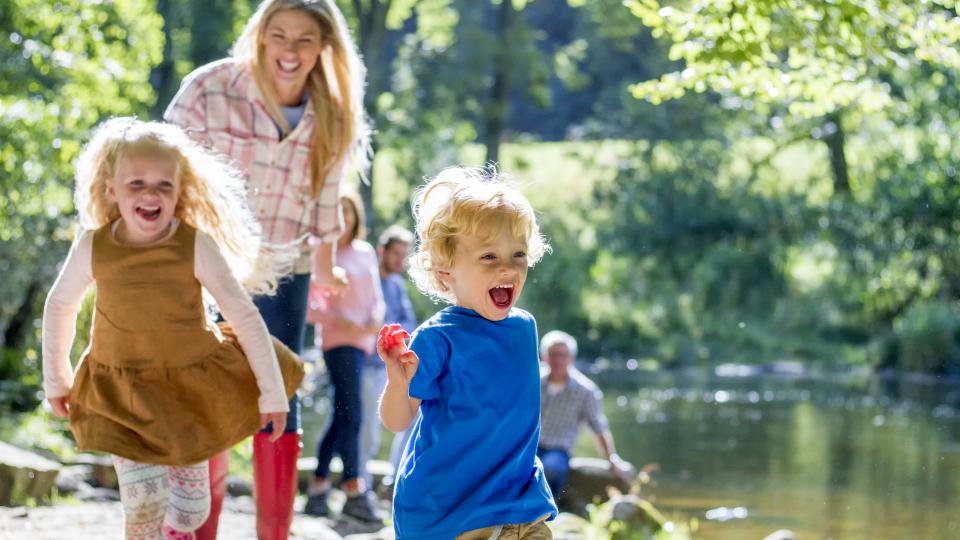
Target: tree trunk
[[500, 92], [162, 76], [372, 19], [212, 26], [15, 334], [836, 145]]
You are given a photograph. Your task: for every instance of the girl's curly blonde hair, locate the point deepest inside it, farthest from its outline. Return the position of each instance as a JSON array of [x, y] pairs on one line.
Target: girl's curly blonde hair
[[462, 202], [212, 196]]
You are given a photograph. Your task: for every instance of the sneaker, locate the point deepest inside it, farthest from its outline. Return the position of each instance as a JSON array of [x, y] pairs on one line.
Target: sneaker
[[317, 505], [362, 508]]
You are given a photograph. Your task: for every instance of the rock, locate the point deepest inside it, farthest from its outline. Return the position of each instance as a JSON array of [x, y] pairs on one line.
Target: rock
[[790, 368], [637, 513], [102, 473], [88, 493], [589, 479], [737, 370], [378, 470], [782, 534], [68, 485], [385, 533], [354, 529], [568, 526], [238, 487], [25, 475]]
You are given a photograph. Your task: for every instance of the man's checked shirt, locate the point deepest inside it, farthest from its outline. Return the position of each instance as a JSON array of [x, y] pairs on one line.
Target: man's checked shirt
[[561, 414]]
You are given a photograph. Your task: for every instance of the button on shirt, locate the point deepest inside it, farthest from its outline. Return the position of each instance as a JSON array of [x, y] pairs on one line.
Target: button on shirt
[[220, 106], [562, 413]]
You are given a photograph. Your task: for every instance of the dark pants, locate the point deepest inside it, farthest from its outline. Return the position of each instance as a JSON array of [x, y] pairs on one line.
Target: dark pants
[[556, 465], [285, 314], [345, 366]]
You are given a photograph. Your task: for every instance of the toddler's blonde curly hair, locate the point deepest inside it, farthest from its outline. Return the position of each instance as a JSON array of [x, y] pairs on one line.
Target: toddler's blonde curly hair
[[461, 202]]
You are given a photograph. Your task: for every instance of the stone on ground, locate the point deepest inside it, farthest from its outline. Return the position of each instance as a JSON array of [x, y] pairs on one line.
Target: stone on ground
[[25, 475]]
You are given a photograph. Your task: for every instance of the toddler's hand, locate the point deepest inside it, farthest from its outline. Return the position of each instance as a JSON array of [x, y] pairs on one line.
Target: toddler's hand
[[60, 406], [332, 283], [392, 347], [279, 420]]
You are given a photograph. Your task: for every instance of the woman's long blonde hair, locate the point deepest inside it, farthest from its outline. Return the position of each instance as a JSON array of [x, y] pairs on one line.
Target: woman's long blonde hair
[[211, 198], [336, 85]]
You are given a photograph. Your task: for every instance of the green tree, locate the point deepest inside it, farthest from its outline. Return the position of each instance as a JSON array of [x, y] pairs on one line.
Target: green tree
[[66, 66], [875, 80], [818, 58]]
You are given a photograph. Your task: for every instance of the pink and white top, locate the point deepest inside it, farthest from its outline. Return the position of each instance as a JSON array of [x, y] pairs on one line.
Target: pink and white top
[[360, 303], [210, 269], [220, 106]]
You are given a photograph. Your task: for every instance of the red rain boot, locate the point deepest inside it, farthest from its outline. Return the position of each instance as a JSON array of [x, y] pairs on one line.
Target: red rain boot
[[218, 488], [275, 483]]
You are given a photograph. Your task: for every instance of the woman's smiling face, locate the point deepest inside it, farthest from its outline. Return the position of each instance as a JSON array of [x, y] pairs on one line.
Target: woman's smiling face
[[292, 42]]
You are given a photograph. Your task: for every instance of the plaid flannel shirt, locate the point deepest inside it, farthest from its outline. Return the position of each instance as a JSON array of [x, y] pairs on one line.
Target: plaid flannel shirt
[[220, 106], [561, 414]]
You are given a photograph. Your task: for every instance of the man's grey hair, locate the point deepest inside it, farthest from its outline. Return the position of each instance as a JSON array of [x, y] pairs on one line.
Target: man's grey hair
[[395, 233], [554, 337]]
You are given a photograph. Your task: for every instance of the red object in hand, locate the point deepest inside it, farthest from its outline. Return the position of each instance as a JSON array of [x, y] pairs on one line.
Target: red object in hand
[[392, 335]]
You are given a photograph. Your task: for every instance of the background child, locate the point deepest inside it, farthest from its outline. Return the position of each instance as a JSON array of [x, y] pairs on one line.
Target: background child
[[158, 386], [470, 468], [347, 327]]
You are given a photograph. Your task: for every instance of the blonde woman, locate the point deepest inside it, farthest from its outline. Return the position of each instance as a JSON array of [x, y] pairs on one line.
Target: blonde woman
[[159, 387], [287, 108]]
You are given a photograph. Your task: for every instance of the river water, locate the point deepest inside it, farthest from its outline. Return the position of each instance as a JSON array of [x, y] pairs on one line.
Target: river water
[[842, 457], [827, 457]]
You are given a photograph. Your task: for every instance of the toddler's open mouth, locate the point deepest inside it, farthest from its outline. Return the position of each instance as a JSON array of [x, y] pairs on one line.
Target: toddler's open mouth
[[502, 295], [149, 213]]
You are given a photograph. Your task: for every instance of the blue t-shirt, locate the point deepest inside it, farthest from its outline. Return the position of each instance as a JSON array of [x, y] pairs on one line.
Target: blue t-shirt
[[471, 461]]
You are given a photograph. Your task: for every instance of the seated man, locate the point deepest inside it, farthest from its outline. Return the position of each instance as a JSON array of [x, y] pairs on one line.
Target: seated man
[[567, 399]]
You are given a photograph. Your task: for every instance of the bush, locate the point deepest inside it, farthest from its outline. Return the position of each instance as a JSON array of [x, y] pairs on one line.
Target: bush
[[926, 335]]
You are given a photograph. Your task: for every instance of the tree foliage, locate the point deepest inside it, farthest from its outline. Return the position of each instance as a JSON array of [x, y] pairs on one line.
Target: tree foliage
[[66, 65], [815, 56]]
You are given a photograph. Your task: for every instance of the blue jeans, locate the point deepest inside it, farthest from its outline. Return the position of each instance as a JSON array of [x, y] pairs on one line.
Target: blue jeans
[[556, 466], [345, 365], [285, 314]]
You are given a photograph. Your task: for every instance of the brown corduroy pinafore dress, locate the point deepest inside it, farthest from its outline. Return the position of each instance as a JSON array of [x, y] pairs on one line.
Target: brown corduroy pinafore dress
[[157, 385]]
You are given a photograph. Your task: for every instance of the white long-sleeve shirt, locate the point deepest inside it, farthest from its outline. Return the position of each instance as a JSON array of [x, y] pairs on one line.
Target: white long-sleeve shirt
[[211, 270]]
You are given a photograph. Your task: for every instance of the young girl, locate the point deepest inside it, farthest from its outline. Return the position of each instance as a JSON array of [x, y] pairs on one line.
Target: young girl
[[159, 387], [287, 108], [470, 470], [347, 330]]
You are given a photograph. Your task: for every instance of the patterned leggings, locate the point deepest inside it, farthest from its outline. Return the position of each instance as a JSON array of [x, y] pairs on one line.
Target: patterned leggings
[[161, 502]]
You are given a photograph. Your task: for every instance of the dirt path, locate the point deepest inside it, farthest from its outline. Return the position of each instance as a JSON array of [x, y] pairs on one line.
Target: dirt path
[[102, 520]]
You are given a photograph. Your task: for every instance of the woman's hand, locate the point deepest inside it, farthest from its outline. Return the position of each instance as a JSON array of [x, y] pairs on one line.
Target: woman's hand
[[373, 326], [279, 420], [331, 283], [60, 406], [344, 324], [399, 360]]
